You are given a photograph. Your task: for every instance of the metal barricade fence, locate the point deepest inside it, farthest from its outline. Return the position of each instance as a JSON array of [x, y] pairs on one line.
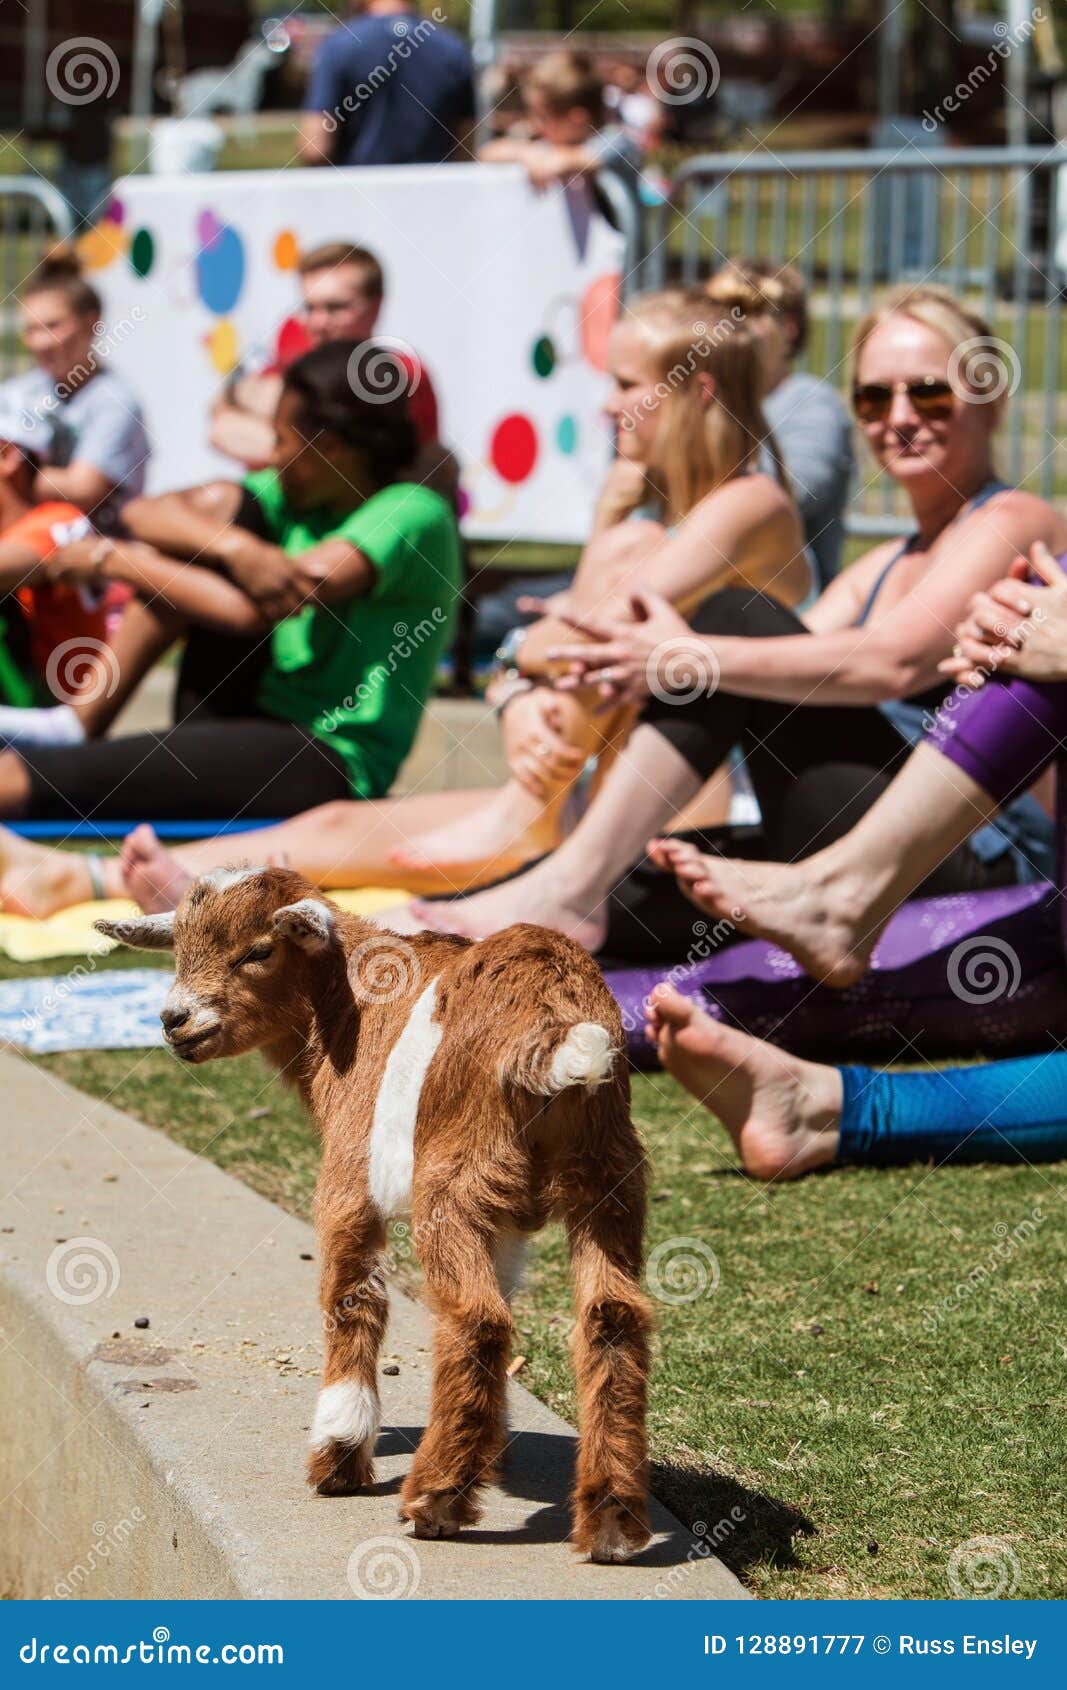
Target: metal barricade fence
[[33, 215], [988, 222]]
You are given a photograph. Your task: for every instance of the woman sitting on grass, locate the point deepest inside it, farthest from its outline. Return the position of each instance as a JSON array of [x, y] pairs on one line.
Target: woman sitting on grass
[[296, 687], [786, 1116], [824, 707], [684, 509]]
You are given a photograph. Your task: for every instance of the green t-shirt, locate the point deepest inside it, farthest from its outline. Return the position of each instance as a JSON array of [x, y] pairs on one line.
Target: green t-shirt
[[357, 673]]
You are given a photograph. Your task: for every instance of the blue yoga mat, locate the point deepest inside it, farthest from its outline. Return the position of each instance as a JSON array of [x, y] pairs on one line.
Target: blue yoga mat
[[119, 829]]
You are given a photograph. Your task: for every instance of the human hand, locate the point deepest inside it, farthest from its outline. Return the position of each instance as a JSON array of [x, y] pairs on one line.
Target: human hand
[[656, 652], [1018, 627], [539, 755]]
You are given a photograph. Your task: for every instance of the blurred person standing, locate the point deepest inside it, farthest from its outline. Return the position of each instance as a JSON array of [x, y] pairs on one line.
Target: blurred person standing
[[388, 86]]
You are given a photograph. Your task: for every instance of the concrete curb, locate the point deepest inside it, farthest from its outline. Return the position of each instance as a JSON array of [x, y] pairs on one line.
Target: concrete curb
[[168, 1462]]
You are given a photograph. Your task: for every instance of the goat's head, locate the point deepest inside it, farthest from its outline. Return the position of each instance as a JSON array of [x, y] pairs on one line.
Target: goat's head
[[242, 939]]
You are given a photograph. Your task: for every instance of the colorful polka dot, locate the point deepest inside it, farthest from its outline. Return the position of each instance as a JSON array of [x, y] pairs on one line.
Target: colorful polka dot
[[567, 435], [100, 246], [286, 251], [513, 447], [142, 252], [209, 231], [291, 342], [224, 346], [600, 309], [220, 270], [543, 356]]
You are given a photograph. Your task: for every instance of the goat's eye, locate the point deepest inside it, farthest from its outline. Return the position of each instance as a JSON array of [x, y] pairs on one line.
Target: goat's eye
[[258, 953]]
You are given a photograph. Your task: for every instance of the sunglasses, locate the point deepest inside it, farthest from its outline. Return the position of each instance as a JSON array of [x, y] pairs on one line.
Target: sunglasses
[[872, 401]]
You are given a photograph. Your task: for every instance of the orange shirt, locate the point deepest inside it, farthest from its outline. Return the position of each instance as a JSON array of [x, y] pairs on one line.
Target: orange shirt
[[55, 613]]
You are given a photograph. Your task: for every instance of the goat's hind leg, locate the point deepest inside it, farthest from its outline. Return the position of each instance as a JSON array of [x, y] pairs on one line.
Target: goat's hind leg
[[610, 1345], [355, 1311], [461, 1447]]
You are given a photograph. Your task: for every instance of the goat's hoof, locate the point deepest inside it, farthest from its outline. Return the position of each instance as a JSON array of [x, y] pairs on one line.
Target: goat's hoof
[[439, 1513], [613, 1532], [340, 1470]]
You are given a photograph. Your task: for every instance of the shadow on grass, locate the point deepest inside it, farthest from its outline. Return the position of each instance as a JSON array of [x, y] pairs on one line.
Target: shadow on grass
[[743, 1527]]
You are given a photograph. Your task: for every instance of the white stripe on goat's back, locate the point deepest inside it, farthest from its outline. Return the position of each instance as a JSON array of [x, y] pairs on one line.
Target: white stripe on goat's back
[[392, 1137]]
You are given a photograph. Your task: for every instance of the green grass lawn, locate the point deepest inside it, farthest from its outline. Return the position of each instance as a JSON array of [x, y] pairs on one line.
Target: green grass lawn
[[872, 1383]]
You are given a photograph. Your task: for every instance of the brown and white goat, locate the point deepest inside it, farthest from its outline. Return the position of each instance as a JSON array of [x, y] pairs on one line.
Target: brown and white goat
[[479, 1088]]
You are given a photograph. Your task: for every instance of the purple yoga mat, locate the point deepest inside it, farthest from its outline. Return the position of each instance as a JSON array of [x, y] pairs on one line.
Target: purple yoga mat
[[977, 973]]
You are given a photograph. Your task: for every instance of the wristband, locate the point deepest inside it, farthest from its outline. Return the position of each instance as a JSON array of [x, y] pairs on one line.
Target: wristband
[[514, 686]]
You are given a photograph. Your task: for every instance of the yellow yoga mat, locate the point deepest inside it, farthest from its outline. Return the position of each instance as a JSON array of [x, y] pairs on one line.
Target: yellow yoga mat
[[70, 932]]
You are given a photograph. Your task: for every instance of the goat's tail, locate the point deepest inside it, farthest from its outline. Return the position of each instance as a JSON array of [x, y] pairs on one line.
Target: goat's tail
[[558, 1055]]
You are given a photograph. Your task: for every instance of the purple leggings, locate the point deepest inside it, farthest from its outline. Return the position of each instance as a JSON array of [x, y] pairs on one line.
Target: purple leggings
[[1005, 735]]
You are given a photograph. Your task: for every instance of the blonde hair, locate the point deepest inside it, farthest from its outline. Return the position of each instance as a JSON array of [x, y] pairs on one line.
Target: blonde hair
[[567, 79], [938, 309], [699, 447], [782, 288]]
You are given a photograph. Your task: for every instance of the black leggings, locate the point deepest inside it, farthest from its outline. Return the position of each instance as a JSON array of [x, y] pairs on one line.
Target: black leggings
[[231, 769], [816, 769]]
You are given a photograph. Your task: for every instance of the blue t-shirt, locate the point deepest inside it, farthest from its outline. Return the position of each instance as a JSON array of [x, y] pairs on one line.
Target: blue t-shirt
[[394, 88]]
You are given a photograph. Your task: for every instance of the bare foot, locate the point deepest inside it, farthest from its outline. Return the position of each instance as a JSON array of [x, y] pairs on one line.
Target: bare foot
[[782, 1114], [825, 918], [536, 897], [37, 881], [498, 839], [150, 874]]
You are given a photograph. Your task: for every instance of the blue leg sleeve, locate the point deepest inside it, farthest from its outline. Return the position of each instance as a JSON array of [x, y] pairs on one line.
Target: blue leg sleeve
[[1003, 1112]]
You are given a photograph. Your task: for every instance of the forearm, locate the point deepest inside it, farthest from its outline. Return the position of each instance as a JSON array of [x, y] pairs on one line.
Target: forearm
[[843, 667], [19, 567], [207, 599], [242, 435]]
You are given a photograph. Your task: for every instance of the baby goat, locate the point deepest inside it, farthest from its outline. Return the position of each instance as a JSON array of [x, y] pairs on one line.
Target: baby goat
[[478, 1087]]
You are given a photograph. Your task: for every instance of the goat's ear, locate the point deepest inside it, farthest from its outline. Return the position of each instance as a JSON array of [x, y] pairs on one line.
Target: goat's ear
[[142, 932], [309, 924]]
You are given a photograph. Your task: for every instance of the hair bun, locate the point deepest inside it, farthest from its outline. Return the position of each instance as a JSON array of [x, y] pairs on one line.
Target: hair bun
[[732, 289], [59, 263]]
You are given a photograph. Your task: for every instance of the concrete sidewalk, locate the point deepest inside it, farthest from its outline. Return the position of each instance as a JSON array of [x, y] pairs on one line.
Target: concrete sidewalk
[[168, 1461]]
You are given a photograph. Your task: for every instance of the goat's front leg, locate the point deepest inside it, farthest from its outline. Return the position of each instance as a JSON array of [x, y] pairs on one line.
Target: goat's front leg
[[463, 1442], [355, 1311]]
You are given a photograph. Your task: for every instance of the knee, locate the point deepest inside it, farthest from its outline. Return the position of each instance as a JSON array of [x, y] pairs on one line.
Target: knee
[[335, 817]]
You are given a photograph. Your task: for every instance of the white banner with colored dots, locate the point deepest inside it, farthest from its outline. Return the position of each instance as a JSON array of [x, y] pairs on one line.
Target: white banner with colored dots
[[506, 295]]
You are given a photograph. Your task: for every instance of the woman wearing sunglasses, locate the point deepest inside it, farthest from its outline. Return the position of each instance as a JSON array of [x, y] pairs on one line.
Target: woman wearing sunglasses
[[825, 707]]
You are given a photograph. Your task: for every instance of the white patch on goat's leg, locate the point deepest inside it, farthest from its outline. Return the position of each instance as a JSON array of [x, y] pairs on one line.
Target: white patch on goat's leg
[[346, 1413], [392, 1137], [509, 1260]]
